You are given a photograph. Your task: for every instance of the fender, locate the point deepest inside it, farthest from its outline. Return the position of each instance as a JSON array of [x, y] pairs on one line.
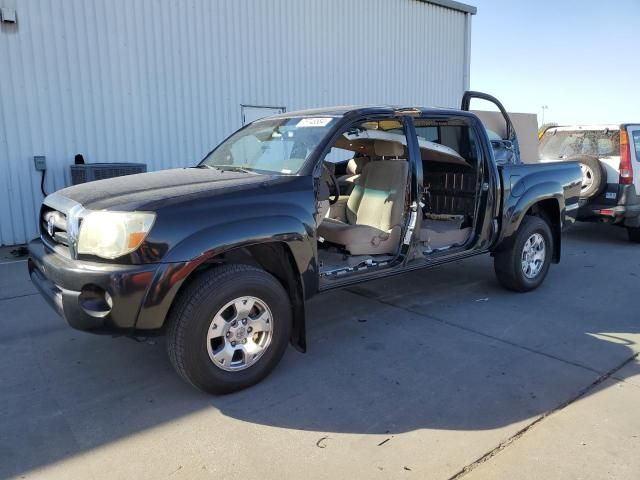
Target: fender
[[206, 244], [517, 206]]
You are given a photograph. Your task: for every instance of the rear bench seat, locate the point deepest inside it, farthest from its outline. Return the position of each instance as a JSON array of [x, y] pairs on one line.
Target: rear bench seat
[[450, 193], [450, 198]]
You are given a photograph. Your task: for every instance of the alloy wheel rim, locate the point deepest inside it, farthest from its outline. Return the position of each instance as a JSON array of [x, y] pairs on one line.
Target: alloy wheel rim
[[533, 255], [239, 333], [587, 177]]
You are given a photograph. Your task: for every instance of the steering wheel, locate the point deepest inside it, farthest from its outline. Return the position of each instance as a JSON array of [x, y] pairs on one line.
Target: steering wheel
[[334, 184]]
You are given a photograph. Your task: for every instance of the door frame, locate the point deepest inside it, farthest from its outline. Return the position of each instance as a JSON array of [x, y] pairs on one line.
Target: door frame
[[484, 176], [632, 128], [511, 131], [414, 181]]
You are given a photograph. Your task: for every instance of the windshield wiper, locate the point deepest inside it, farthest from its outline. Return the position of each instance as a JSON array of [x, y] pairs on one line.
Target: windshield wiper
[[234, 168], [202, 165]]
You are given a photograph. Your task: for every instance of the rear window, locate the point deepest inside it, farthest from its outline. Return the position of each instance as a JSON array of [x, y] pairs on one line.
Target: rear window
[[566, 143], [636, 143], [454, 135]]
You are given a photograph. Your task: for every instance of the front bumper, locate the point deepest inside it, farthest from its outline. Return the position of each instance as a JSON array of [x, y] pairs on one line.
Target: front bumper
[[102, 298]]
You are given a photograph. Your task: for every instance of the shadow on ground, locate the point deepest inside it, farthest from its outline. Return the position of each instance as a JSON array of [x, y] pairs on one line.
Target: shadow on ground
[[440, 349]]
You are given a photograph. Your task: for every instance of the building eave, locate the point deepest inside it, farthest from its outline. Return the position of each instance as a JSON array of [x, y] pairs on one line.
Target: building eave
[[453, 5]]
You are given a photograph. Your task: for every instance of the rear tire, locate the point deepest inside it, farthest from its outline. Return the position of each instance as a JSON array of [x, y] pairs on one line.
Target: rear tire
[[594, 176], [524, 265], [634, 234], [206, 308]]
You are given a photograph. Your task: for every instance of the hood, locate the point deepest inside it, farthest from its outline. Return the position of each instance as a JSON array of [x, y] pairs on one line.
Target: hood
[[147, 190]]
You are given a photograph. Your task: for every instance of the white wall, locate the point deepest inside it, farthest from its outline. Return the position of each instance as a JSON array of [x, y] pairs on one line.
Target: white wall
[[162, 81]]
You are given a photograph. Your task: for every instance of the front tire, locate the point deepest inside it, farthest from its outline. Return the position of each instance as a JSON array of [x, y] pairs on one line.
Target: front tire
[[524, 265], [229, 328]]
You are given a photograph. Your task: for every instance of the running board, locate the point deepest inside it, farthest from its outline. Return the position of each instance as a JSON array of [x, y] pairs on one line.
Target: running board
[[366, 265]]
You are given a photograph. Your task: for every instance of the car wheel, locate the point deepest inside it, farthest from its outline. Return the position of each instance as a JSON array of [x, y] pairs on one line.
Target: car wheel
[[229, 328], [524, 265], [594, 178], [634, 234]]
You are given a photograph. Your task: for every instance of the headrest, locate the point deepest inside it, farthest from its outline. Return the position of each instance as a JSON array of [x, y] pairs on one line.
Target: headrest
[[355, 165], [385, 148]]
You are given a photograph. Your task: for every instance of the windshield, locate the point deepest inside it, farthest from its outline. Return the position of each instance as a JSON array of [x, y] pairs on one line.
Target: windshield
[[277, 145], [566, 143]]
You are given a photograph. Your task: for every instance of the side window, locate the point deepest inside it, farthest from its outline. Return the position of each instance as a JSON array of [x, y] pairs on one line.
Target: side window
[[636, 142], [338, 155], [428, 133]]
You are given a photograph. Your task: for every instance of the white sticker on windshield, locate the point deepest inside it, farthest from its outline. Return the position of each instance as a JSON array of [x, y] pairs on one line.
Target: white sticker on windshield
[[314, 122]]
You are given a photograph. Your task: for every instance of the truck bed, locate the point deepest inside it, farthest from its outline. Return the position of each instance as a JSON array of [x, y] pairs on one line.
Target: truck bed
[[522, 180]]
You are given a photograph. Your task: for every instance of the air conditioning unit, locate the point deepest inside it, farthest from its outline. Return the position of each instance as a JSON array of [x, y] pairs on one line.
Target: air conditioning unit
[[99, 171]]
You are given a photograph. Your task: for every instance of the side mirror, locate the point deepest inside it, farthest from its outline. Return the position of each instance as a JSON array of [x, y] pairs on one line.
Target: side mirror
[[502, 144], [503, 151]]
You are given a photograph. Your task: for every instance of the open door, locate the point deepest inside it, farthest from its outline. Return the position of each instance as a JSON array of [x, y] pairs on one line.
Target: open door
[[499, 126]]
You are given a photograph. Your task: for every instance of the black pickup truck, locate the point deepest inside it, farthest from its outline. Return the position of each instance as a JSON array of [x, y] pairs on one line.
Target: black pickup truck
[[221, 257]]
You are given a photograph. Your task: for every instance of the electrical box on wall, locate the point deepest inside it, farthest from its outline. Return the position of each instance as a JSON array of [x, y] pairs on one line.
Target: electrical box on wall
[[40, 162], [8, 15]]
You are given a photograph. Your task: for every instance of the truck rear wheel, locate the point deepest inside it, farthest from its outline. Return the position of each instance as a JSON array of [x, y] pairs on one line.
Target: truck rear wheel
[[634, 234], [524, 265], [229, 328]]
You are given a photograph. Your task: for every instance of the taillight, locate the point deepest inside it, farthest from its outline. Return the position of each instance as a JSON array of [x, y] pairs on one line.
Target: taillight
[[626, 169], [607, 211]]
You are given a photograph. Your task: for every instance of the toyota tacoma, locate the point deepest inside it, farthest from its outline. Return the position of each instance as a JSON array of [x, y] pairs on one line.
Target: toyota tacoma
[[222, 256]]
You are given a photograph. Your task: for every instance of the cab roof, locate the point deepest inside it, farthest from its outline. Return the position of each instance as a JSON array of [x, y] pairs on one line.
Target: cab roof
[[357, 110]]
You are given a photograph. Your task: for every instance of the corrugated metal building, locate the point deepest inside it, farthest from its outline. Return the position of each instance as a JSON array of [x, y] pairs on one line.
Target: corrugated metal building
[[162, 82]]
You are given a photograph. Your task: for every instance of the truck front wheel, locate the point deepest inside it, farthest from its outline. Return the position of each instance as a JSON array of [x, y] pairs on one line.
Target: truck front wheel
[[524, 265], [229, 328]]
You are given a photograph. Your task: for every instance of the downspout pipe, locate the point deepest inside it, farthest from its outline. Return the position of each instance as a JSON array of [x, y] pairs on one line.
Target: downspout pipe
[[466, 74]]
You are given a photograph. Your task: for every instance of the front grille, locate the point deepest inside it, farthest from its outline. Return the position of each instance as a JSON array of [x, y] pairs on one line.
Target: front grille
[[53, 226], [59, 220]]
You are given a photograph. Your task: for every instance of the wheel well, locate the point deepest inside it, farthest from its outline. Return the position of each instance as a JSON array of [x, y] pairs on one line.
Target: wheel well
[[549, 211], [277, 259]]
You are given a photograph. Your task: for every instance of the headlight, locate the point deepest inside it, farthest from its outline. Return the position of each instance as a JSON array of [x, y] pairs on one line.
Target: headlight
[[113, 234]]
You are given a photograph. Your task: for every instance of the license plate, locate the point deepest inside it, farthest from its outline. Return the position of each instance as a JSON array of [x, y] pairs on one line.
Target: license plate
[[611, 195]]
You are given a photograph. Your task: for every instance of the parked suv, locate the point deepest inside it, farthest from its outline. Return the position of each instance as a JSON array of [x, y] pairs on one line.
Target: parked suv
[[608, 156], [222, 256]]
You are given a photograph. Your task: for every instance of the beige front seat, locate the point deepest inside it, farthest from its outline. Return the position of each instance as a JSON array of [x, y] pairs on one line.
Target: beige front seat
[[374, 215]]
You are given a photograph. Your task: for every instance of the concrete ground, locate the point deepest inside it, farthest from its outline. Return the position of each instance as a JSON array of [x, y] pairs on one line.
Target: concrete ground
[[436, 374]]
